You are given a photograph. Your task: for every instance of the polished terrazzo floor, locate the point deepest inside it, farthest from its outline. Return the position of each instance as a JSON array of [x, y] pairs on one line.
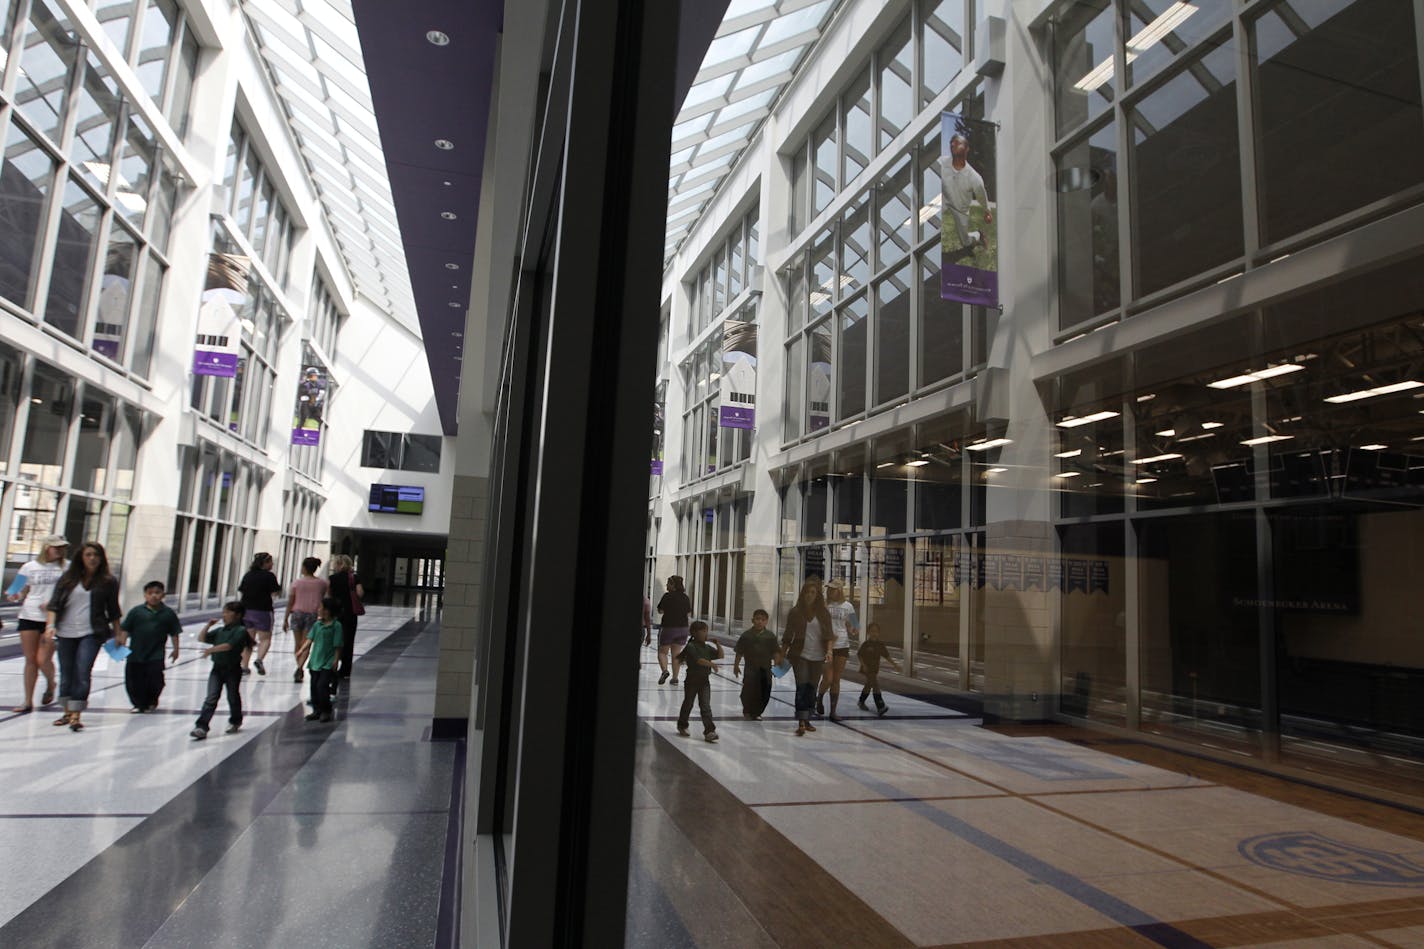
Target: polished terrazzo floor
[[925, 828], [132, 834]]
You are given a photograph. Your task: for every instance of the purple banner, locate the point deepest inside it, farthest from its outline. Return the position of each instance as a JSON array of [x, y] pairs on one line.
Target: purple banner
[[737, 416], [969, 285], [657, 466], [306, 436], [210, 363]]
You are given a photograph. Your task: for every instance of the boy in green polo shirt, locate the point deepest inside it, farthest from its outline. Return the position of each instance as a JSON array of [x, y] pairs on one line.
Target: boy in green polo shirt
[[696, 658], [760, 648], [226, 644], [148, 626], [322, 646]]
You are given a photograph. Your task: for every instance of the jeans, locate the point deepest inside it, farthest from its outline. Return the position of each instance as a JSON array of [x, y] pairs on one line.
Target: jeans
[[872, 684], [229, 677], [756, 689], [697, 687], [76, 662], [321, 680], [808, 676], [348, 646]]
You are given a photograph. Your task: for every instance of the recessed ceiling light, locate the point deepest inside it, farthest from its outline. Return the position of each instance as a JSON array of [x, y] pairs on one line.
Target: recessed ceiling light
[[916, 464], [444, 144], [1067, 474], [1373, 447], [453, 303], [1074, 422], [1167, 432], [991, 443], [1260, 374], [447, 183], [1377, 390], [1145, 480], [437, 38], [448, 215], [1074, 453], [1211, 424], [1169, 456], [452, 266], [1266, 440]]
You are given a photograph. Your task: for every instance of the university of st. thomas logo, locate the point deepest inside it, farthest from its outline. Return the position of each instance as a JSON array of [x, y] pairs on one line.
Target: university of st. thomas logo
[[1325, 859]]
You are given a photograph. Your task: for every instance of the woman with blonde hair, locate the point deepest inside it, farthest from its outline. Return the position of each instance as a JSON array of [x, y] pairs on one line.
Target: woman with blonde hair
[[345, 587], [807, 640], [40, 576]]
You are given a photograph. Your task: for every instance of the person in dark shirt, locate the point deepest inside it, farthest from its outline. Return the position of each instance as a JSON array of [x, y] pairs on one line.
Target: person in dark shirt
[[256, 588], [225, 650], [149, 627], [870, 653], [761, 650], [698, 656], [676, 610]]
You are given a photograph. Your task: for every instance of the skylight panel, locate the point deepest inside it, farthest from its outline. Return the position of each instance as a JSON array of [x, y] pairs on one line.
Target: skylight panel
[[793, 24]]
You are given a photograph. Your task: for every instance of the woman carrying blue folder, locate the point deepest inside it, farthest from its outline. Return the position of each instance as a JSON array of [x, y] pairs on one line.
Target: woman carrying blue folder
[[83, 613]]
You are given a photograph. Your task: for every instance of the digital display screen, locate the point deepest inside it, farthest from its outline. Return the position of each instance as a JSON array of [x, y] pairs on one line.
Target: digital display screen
[[396, 499]]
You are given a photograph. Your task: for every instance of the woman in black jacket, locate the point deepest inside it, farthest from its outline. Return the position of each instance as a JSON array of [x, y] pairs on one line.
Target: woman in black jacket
[[806, 639], [345, 586], [82, 614]]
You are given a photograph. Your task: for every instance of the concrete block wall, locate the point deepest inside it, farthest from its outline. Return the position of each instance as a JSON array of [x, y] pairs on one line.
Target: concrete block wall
[[464, 575]]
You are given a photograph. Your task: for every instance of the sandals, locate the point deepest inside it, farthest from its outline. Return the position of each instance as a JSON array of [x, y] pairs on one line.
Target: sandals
[[48, 697], [62, 720], [76, 726], [23, 709]]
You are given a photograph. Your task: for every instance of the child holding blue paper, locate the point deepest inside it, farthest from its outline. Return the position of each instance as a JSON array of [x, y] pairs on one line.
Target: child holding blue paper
[[149, 626]]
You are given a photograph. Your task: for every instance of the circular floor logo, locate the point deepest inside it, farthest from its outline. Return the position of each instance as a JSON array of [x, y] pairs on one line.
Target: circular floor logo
[[1315, 856]]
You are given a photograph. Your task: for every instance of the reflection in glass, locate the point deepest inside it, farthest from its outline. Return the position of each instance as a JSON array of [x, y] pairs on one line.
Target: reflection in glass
[[146, 316], [940, 585], [823, 152], [818, 378], [10, 378], [1083, 62], [895, 214], [91, 456], [897, 95], [33, 518], [160, 19], [47, 60], [1088, 250], [51, 398], [892, 336], [24, 185], [856, 238], [941, 349], [1092, 602], [859, 140], [1187, 176], [115, 291], [1157, 30], [943, 39], [98, 114], [1341, 90], [853, 325], [69, 280], [791, 402]]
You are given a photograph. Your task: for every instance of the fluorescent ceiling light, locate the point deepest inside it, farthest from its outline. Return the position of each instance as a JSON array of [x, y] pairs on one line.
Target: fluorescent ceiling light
[[1373, 447], [1067, 474], [1267, 439], [916, 464], [1069, 454], [1167, 432], [995, 470], [991, 443], [1147, 398], [1196, 438], [1151, 34], [1147, 461], [1371, 393], [1145, 480], [1100, 74], [1074, 422], [1247, 378], [1211, 425], [885, 464]]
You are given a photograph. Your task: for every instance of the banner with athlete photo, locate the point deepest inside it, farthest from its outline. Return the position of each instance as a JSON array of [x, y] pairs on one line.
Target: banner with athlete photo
[[311, 401], [215, 348], [969, 232], [739, 359]]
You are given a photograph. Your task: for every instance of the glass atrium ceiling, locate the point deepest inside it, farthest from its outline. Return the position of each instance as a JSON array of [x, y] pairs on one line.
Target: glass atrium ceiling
[[756, 51], [314, 55]]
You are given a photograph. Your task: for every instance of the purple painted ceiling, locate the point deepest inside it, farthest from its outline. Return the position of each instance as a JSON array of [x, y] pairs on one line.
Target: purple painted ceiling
[[423, 92]]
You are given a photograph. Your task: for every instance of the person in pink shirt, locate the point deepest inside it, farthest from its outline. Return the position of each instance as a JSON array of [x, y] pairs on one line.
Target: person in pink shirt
[[303, 599]]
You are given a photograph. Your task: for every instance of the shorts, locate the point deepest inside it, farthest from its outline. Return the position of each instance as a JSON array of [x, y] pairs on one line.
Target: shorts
[[672, 635], [258, 619], [299, 621], [38, 625], [841, 653]]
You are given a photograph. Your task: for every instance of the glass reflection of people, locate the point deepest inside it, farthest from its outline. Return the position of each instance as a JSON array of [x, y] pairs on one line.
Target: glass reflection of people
[[962, 185]]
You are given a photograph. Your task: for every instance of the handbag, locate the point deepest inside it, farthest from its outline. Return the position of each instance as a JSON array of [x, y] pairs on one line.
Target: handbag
[[357, 607]]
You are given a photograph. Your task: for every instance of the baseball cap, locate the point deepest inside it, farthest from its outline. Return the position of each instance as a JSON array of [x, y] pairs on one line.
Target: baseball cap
[[53, 540], [836, 584]]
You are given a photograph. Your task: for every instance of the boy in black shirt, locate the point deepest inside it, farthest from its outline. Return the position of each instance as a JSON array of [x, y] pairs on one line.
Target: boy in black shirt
[[761, 649], [225, 650], [149, 627], [697, 657], [870, 653]]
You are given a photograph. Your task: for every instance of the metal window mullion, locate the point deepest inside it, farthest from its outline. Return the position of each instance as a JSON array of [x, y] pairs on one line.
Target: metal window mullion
[[49, 236], [71, 443], [1126, 162], [968, 599], [1246, 140], [1132, 579], [88, 307]]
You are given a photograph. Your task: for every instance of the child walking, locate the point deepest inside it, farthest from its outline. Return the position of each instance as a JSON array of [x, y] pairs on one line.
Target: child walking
[[226, 644], [761, 649], [697, 657], [148, 627], [870, 653], [322, 646]]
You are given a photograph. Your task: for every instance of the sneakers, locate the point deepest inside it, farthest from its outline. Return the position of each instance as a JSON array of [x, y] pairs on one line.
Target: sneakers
[[232, 729], [199, 733], [325, 717], [261, 669], [882, 710], [800, 729], [683, 732], [246, 671], [809, 726], [862, 706], [135, 711], [710, 736], [674, 681], [662, 678], [313, 717]]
